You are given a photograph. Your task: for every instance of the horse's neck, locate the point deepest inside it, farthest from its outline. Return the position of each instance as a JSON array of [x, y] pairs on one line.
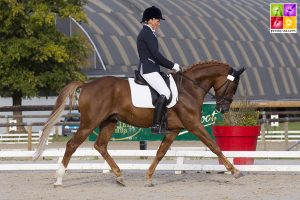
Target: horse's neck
[[207, 75]]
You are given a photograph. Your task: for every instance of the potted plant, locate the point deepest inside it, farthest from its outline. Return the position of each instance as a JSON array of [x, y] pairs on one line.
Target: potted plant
[[238, 130]]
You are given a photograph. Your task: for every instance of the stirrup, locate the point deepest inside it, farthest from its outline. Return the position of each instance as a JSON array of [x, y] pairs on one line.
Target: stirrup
[[159, 129]]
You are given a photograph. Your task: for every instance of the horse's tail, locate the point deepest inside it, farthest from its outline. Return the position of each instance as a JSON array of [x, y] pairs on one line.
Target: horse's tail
[[67, 91]]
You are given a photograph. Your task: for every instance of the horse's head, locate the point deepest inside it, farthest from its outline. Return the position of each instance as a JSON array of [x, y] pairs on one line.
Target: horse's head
[[217, 75], [225, 88]]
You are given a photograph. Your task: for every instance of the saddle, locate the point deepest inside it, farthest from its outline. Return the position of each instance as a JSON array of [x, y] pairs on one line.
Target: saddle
[[155, 95]]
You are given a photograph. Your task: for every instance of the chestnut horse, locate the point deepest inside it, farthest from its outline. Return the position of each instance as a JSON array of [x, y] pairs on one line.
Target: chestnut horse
[[104, 101]]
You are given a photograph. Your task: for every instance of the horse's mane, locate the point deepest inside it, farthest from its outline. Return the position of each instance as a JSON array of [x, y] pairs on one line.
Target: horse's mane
[[205, 64]]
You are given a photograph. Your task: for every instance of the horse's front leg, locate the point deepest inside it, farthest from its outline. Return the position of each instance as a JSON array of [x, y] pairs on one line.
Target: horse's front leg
[[162, 150], [204, 136]]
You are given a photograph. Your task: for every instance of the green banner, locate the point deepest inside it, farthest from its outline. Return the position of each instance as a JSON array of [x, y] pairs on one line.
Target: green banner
[[125, 132]]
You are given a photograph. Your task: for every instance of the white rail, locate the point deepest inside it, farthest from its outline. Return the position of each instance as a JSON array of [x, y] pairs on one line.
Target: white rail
[[293, 135], [22, 138], [129, 163]]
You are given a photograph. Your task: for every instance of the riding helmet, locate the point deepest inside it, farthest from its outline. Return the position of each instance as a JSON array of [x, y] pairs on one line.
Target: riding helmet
[[150, 13]]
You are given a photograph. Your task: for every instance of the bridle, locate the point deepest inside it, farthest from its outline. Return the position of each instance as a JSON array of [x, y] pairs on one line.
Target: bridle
[[220, 99]]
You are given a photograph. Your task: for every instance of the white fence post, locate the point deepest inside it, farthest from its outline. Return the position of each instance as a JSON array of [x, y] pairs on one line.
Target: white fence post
[[179, 161]]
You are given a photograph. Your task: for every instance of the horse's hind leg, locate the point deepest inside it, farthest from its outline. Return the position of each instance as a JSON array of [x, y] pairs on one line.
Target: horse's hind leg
[[71, 147], [105, 134], [162, 150]]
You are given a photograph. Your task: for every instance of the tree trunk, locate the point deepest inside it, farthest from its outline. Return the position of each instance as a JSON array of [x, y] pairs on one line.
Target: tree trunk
[[17, 101]]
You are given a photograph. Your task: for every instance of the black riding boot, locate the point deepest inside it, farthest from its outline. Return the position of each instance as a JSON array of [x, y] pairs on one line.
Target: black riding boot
[[159, 119]]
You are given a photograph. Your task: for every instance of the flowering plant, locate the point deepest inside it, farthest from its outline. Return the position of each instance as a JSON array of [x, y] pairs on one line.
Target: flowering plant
[[241, 113]]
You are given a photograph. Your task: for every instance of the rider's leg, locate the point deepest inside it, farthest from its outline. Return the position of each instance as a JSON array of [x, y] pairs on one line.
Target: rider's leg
[[157, 83], [159, 112]]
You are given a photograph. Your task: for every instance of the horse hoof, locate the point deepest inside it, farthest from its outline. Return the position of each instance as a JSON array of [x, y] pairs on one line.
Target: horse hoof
[[238, 175], [149, 184], [120, 180], [57, 185]]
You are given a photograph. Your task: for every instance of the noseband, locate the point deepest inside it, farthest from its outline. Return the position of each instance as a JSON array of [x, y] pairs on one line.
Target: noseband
[[222, 99]]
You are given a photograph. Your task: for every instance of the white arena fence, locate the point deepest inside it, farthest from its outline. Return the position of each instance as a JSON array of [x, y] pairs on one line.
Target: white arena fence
[[131, 160], [279, 136], [22, 138]]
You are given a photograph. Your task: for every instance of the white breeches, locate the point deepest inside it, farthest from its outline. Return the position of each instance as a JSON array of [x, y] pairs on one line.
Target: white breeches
[[157, 83]]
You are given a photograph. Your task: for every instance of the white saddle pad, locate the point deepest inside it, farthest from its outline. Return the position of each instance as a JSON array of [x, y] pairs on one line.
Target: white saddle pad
[[141, 95]]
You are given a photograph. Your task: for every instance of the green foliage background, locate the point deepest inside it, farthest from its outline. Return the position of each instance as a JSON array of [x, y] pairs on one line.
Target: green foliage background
[[34, 55]]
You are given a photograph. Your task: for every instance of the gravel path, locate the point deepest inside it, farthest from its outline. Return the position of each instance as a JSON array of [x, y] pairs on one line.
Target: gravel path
[[83, 185], [191, 185]]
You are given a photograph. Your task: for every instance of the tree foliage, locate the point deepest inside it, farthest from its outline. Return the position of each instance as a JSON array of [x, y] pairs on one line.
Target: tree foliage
[[34, 55]]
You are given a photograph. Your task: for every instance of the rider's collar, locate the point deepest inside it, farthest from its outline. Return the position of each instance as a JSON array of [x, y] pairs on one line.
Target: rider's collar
[[150, 28]]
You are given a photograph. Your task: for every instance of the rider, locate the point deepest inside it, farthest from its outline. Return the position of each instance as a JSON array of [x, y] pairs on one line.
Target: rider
[[150, 61]]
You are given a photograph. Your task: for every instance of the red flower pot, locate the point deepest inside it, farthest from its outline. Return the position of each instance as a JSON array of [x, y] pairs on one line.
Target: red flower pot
[[237, 138]]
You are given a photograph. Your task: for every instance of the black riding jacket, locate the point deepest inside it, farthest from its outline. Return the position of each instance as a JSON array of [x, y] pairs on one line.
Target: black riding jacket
[[150, 57]]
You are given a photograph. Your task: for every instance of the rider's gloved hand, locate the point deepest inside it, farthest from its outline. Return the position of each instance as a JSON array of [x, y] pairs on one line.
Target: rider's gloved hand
[[176, 68]]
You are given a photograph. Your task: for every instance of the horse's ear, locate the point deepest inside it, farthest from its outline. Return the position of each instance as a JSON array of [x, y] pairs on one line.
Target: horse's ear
[[239, 72]]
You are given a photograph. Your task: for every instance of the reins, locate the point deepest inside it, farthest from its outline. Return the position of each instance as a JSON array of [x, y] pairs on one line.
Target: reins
[[181, 75]]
